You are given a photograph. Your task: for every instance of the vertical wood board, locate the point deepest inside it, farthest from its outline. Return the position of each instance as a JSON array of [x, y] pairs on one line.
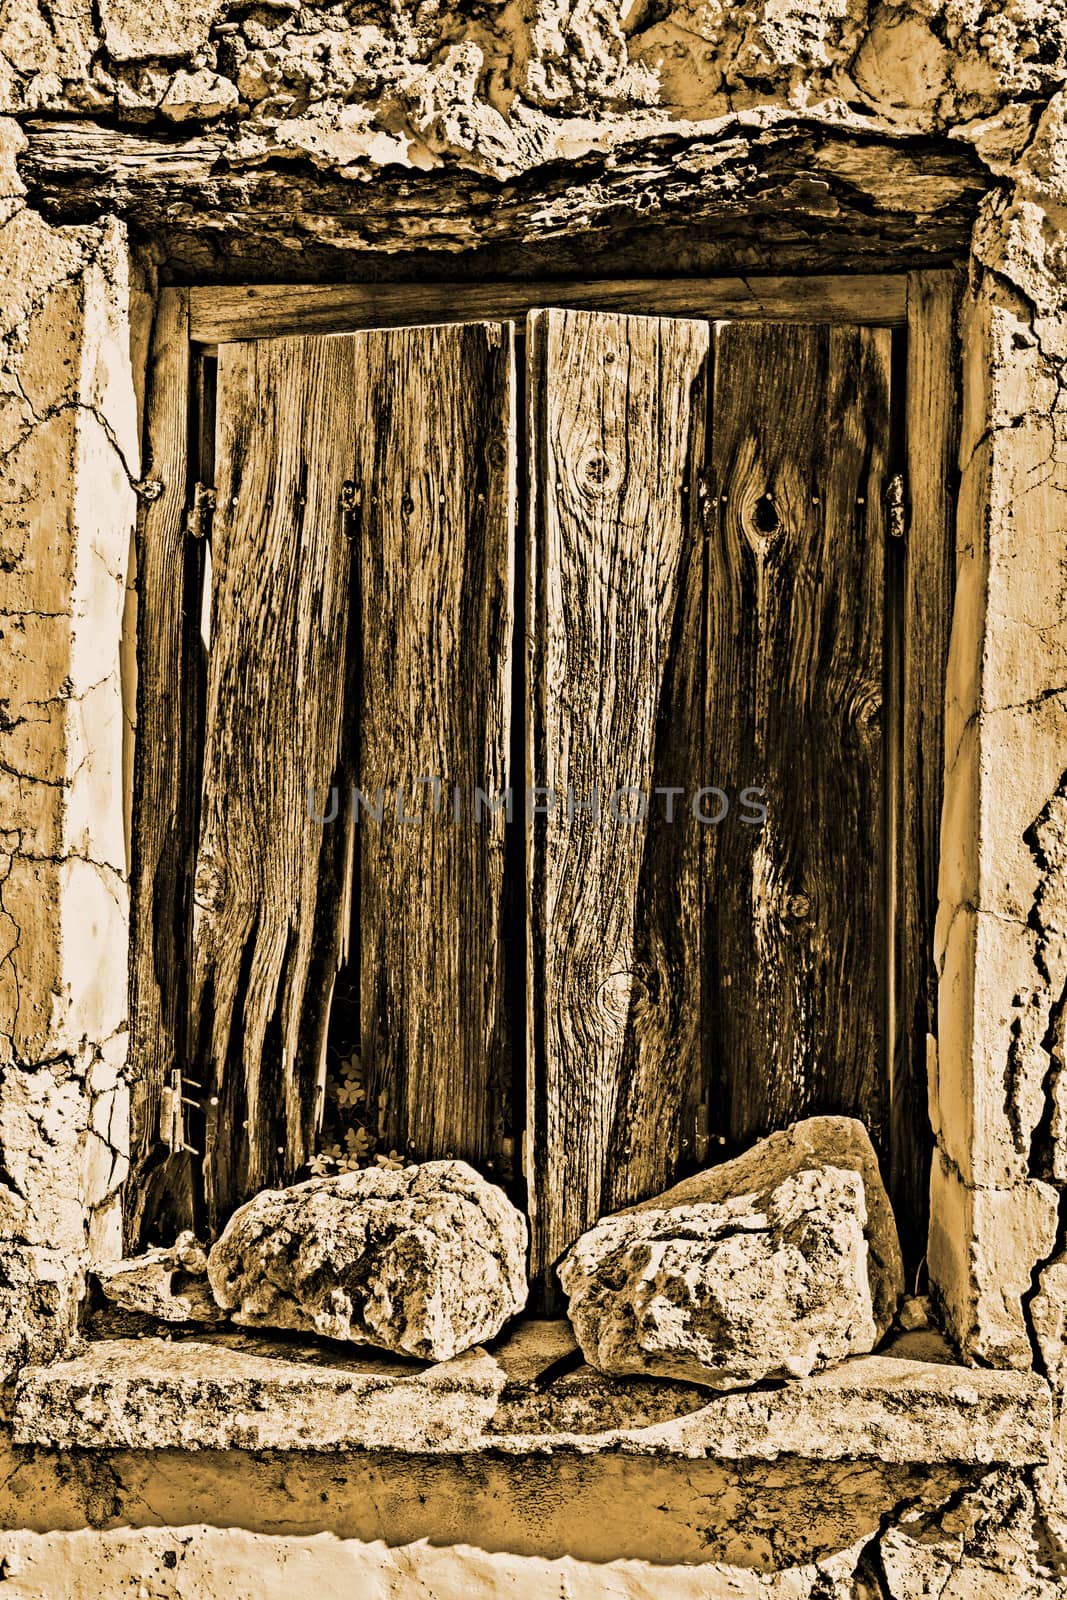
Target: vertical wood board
[[932, 440], [795, 948], [164, 771], [434, 414], [617, 407], [268, 892]]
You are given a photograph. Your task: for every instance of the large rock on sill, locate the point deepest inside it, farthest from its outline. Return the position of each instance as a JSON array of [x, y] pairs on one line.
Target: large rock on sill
[[169, 1283], [424, 1260], [815, 1142], [761, 1268]]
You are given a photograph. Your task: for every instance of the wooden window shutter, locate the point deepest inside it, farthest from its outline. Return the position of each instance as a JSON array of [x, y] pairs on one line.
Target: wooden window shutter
[[711, 606], [706, 609], [361, 628]]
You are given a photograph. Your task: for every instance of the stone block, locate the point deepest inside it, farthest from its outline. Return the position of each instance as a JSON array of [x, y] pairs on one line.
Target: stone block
[[984, 1545], [43, 1117], [169, 1283], [772, 1281], [987, 1011], [1048, 1318], [133, 31], [106, 509], [93, 735], [425, 1260], [984, 1245], [105, 1231], [958, 863], [813, 1142], [227, 1390], [199, 94]]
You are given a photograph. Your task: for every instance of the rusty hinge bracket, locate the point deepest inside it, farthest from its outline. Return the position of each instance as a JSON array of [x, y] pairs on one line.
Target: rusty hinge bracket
[[896, 508], [199, 516], [172, 1103]]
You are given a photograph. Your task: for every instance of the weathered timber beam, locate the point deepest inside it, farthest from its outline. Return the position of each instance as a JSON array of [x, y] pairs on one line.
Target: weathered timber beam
[[791, 190]]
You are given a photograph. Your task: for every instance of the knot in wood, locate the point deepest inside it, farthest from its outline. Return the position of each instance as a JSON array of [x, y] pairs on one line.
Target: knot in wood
[[597, 471], [766, 515], [612, 998], [866, 708]]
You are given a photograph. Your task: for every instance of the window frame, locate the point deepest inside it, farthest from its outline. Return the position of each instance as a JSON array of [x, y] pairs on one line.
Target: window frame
[[193, 321]]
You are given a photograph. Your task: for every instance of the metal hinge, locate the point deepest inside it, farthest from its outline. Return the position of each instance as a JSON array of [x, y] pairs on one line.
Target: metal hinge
[[172, 1103], [896, 509], [199, 516]]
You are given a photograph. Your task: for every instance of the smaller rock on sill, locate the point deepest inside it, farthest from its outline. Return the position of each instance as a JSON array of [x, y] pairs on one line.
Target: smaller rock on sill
[[525, 1393]]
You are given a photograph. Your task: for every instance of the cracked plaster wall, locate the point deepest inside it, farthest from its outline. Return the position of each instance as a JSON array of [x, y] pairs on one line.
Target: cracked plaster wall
[[1000, 1096], [68, 442], [751, 135]]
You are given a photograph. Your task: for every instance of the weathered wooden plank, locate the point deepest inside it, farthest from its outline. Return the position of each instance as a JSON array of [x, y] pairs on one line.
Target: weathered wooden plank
[[786, 193], [795, 937], [269, 886], [159, 1189], [614, 625], [436, 478], [258, 311], [932, 440]]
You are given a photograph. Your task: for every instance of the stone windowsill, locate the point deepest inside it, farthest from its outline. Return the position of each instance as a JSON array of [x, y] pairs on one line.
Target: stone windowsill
[[526, 1393]]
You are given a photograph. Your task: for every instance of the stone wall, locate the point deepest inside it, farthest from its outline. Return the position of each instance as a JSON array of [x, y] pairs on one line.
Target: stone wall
[[295, 141], [68, 449]]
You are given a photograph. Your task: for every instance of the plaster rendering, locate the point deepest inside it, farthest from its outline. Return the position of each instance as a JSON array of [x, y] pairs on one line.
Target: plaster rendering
[[234, 144]]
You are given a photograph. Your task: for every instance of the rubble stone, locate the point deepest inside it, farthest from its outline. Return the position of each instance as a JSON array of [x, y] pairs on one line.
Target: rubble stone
[[133, 32], [198, 94], [424, 1260], [169, 1283], [772, 1283], [814, 1142]]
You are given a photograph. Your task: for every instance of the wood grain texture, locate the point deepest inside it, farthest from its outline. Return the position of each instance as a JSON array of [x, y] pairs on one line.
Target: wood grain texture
[[932, 440], [221, 311], [436, 477], [159, 1188], [617, 410], [795, 938], [269, 892]]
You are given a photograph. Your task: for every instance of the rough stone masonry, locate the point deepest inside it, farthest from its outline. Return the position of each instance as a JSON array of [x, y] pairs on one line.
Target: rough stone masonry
[[201, 139]]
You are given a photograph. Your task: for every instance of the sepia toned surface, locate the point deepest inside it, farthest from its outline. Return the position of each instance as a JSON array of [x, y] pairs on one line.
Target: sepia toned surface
[[614, 978], [587, 140], [434, 479], [165, 776], [268, 896], [925, 597], [795, 684]]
